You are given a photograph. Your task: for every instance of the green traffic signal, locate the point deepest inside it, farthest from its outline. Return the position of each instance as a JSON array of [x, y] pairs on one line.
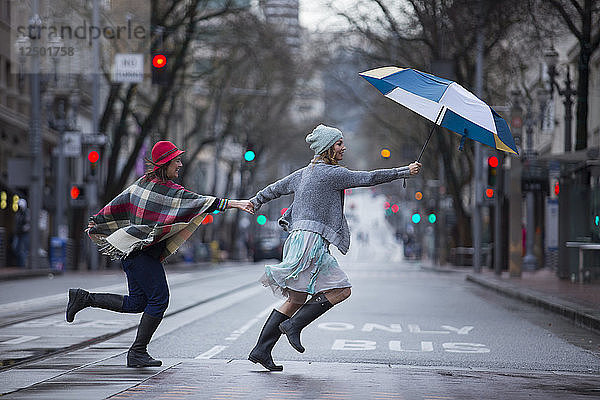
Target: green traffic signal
[[431, 218], [261, 219], [416, 218], [249, 155]]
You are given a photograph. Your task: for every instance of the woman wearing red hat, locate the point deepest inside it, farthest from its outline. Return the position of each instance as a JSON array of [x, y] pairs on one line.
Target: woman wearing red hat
[[143, 226]]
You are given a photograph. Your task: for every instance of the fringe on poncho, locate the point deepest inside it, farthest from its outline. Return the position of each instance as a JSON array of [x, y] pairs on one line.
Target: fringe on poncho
[[148, 212]]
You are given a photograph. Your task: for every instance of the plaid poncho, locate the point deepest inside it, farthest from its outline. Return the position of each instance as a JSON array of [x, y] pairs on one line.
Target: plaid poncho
[[148, 212]]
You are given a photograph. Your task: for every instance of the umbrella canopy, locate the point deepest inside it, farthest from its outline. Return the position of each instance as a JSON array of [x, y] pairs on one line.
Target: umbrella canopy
[[445, 103]]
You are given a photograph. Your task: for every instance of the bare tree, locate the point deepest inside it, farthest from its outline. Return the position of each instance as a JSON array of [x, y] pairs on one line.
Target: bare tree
[[582, 19]]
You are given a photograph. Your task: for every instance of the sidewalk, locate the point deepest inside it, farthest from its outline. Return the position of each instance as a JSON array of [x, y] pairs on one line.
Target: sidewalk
[[578, 302], [12, 273]]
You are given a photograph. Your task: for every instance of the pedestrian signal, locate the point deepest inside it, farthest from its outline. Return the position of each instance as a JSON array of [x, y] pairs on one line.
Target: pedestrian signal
[[75, 192]]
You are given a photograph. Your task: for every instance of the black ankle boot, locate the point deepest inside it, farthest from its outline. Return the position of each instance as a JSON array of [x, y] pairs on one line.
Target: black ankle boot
[[80, 299], [138, 356], [270, 334], [309, 311]]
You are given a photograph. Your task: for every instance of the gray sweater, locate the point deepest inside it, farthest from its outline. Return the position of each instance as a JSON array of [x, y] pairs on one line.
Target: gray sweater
[[318, 204]]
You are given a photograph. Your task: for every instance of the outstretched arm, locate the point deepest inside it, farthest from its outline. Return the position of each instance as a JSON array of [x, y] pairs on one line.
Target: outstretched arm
[[345, 178], [274, 190]]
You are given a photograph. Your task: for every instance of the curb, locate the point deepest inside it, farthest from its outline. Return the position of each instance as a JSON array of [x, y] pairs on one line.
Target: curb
[[580, 315], [27, 273]]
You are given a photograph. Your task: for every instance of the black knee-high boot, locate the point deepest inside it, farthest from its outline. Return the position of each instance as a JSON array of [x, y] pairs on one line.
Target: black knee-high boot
[[309, 311], [270, 334], [138, 356], [80, 299]]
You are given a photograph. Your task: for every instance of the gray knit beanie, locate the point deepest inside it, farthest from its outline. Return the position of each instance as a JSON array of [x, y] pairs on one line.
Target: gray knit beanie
[[323, 137]]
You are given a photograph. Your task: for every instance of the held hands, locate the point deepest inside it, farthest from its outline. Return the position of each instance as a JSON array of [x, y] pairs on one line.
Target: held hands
[[414, 168], [244, 205]]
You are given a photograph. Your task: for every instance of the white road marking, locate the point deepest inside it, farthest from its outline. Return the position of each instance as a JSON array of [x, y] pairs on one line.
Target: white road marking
[[212, 352], [19, 339], [237, 333]]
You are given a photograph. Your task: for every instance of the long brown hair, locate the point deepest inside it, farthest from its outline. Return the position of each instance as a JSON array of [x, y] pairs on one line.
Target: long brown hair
[[328, 157], [160, 173]]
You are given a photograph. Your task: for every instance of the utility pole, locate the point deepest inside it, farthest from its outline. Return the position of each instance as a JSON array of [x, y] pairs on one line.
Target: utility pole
[[476, 219], [35, 140]]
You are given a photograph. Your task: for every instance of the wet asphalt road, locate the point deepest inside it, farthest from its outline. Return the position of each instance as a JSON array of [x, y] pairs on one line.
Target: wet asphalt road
[[405, 333]]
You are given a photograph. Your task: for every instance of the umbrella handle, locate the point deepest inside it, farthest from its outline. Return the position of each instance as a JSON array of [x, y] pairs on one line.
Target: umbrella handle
[[425, 145]]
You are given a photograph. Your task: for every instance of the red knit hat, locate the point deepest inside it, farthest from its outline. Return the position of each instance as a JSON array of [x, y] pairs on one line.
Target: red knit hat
[[163, 152]]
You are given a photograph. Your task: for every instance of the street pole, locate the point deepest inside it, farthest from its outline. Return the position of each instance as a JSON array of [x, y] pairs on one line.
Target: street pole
[[93, 185], [35, 140], [529, 261], [476, 219], [515, 246], [60, 229], [568, 92], [499, 203]]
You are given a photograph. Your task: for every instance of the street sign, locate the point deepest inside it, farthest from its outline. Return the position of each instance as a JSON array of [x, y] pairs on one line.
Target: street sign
[[72, 144], [128, 68], [96, 140]]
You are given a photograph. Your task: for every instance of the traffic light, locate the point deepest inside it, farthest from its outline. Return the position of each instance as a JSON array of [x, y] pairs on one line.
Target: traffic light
[[419, 196], [261, 219], [416, 218], [492, 170], [15, 203], [77, 195], [161, 68], [249, 155], [489, 193], [93, 157], [385, 152], [75, 192], [207, 220], [431, 217], [3, 197], [556, 188]]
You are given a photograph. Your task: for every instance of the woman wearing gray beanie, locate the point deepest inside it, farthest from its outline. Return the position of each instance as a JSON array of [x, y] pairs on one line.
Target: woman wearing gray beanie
[[315, 220]]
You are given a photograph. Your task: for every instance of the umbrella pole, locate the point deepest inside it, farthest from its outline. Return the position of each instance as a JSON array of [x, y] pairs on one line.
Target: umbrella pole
[[425, 145], [422, 150]]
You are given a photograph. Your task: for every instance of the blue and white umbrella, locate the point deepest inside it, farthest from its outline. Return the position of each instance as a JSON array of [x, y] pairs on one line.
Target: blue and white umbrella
[[444, 103]]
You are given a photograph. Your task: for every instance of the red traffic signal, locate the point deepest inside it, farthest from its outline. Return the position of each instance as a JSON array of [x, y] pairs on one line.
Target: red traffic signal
[[493, 161], [159, 61], [489, 193], [556, 188], [75, 192], [93, 156]]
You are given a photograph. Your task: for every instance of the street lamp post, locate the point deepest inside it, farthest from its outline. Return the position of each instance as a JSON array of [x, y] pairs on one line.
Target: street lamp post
[[567, 92]]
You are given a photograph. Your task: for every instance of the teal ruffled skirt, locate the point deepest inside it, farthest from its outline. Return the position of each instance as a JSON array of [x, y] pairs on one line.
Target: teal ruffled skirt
[[307, 267]]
